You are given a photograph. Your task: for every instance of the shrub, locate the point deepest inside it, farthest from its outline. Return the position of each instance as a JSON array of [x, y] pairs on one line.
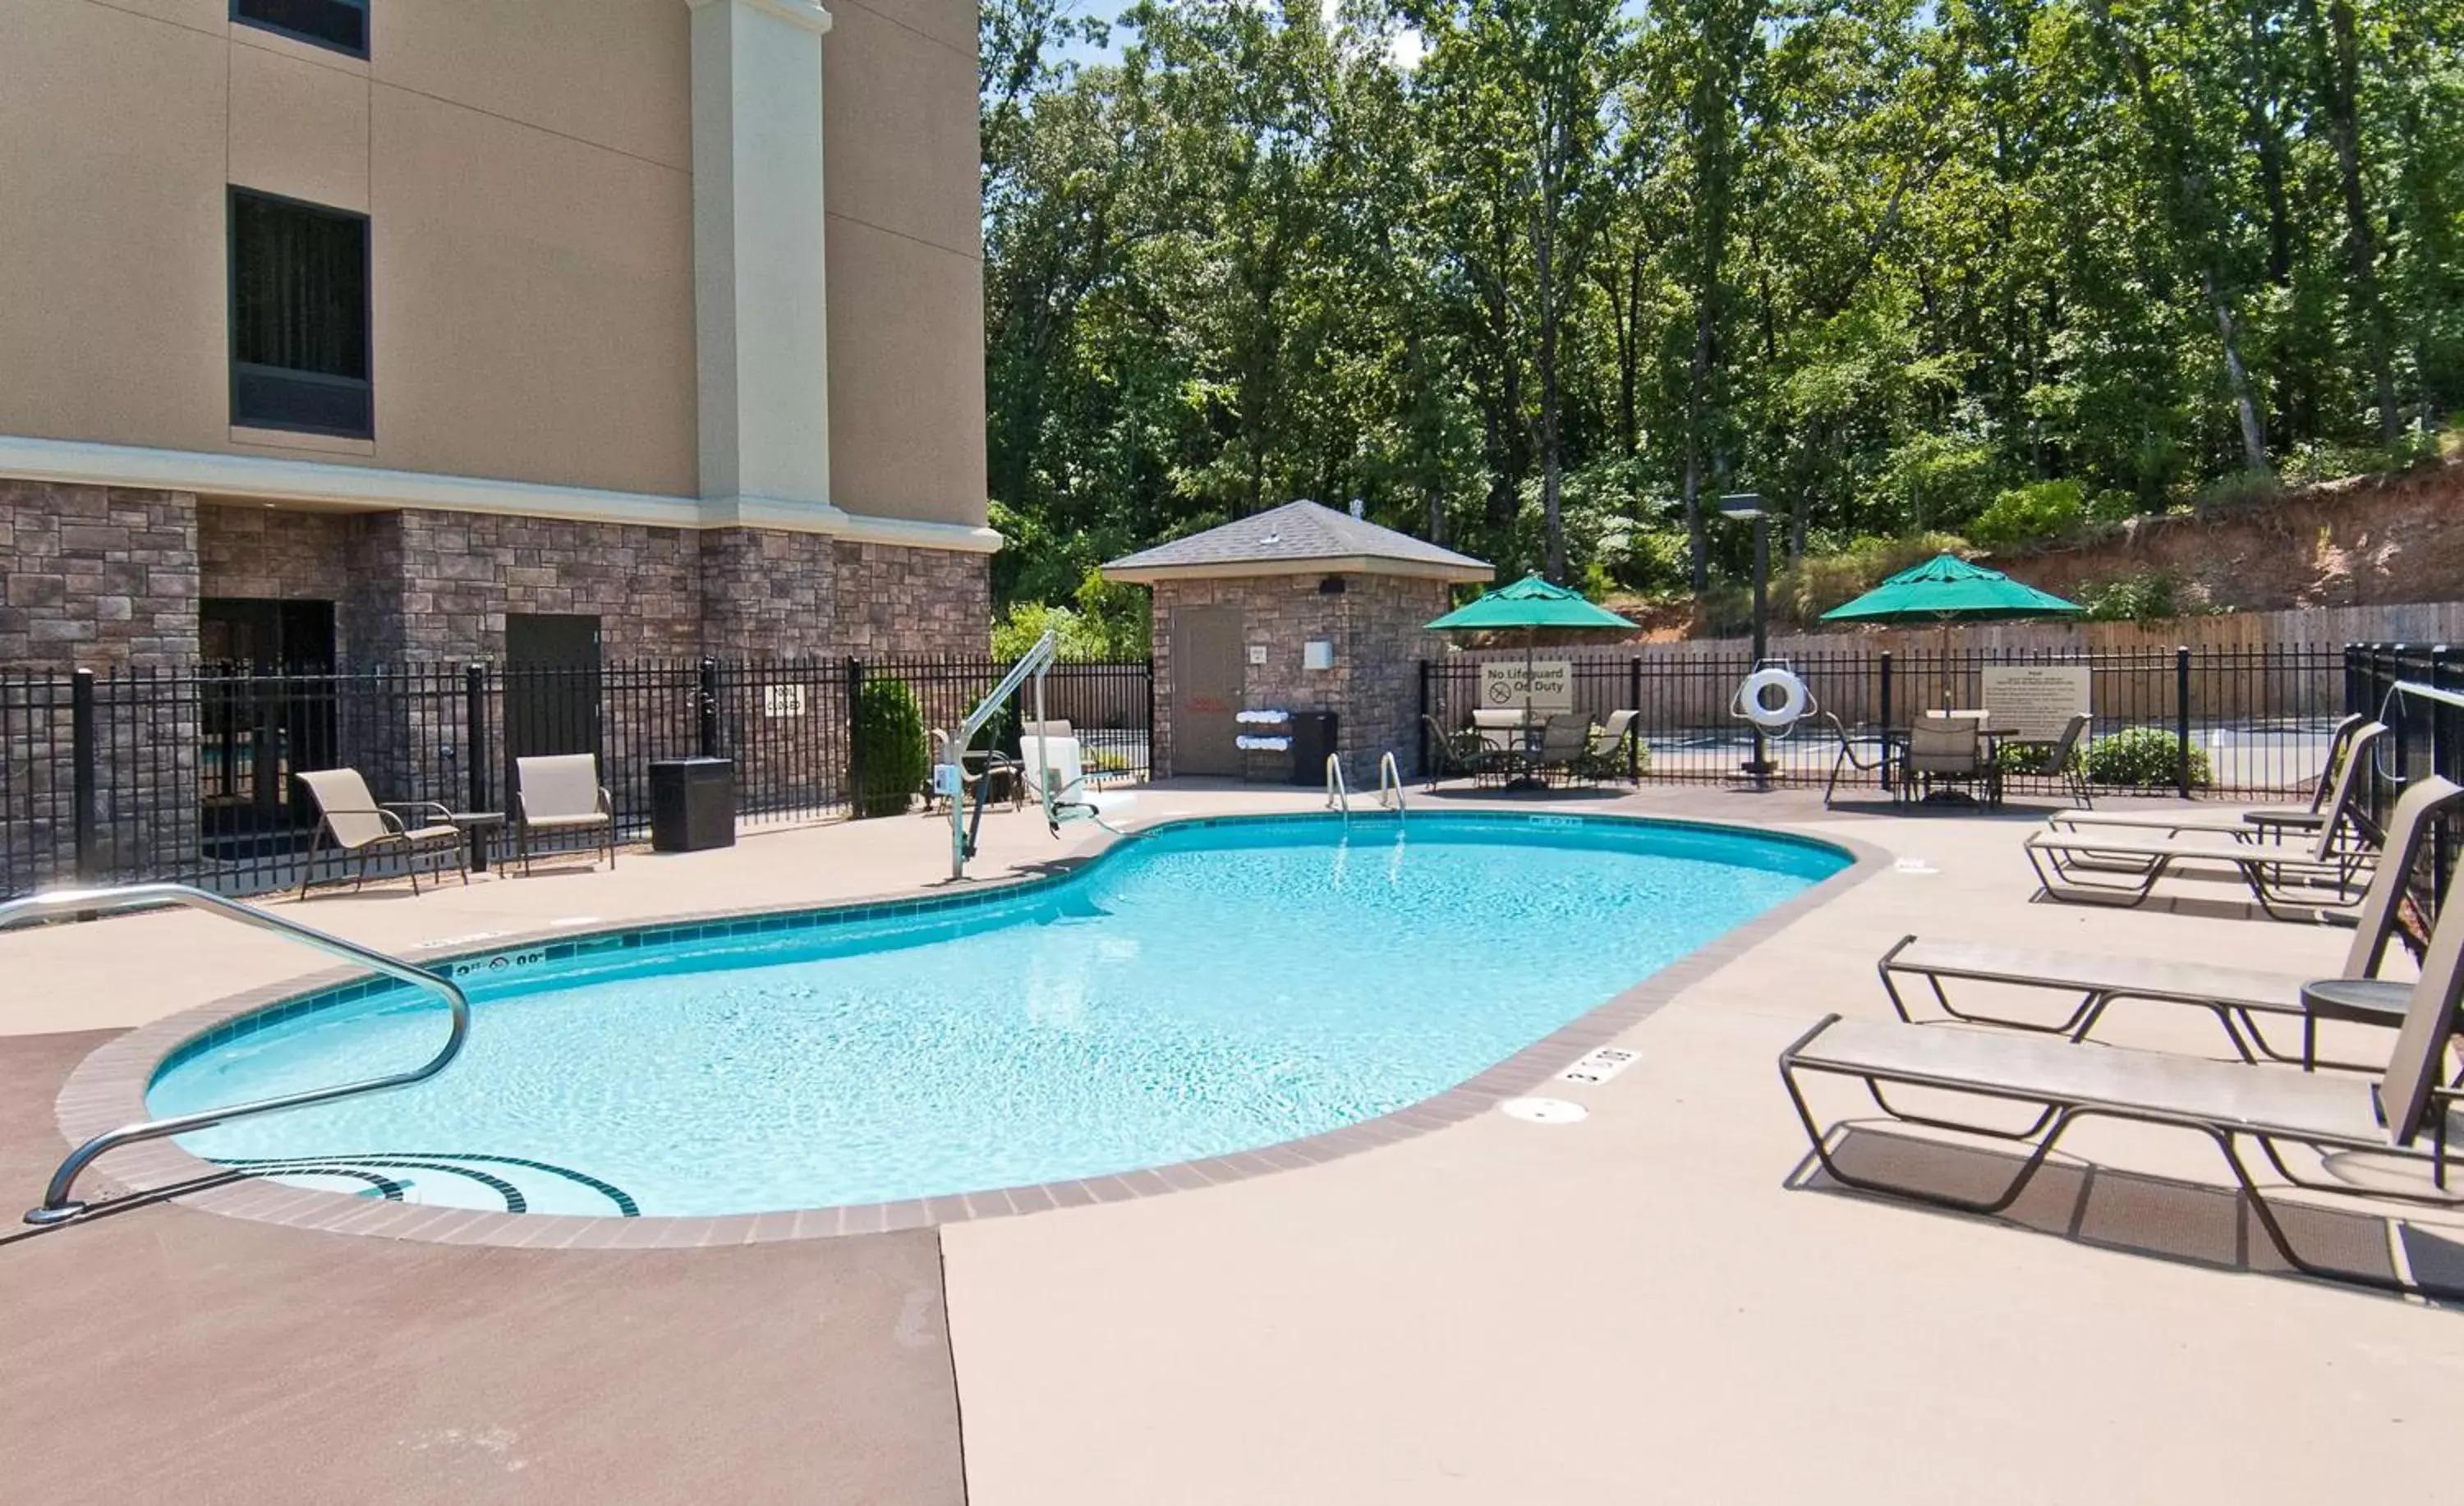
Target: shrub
[[891, 760], [2149, 596], [2144, 757], [2026, 515]]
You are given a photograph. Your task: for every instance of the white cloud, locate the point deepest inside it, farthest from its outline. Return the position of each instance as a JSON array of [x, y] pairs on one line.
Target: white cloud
[[1406, 48]]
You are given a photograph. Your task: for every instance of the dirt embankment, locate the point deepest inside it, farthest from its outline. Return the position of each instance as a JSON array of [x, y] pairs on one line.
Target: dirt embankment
[[2367, 541]]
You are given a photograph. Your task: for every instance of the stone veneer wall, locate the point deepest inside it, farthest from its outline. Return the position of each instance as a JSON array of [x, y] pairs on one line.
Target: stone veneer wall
[[99, 577], [1378, 669], [766, 593], [893, 599], [102, 578], [462, 572], [1375, 687]]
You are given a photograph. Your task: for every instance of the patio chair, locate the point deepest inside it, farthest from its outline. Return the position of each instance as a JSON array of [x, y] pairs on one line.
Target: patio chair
[[2328, 817], [1455, 755], [1947, 749], [1605, 760], [2240, 997], [2059, 762], [560, 793], [1054, 771], [351, 820], [1851, 757], [1507, 734], [2233, 1103], [1564, 740]]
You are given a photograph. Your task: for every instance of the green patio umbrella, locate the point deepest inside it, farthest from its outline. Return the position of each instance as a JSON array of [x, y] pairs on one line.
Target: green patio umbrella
[[1529, 602], [1532, 605], [1947, 589]]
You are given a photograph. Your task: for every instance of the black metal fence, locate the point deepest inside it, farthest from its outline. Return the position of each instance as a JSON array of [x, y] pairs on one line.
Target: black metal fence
[[2232, 721], [125, 775]]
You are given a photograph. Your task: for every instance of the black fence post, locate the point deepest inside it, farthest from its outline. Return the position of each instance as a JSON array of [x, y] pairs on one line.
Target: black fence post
[[1634, 733], [1151, 716], [1883, 708], [2182, 719], [474, 733], [1421, 727], [706, 708], [81, 776], [855, 744]]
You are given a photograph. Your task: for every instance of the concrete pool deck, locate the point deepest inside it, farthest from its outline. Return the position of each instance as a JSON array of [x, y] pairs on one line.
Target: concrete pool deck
[[1652, 1303]]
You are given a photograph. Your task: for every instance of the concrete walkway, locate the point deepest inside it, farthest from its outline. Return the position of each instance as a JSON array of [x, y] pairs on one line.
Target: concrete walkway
[[1652, 1304]]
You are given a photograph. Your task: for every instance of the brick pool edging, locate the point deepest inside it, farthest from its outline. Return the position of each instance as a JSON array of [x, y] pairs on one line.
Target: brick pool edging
[[107, 1089]]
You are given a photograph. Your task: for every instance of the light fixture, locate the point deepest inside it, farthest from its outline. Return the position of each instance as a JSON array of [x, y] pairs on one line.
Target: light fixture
[[1743, 506]]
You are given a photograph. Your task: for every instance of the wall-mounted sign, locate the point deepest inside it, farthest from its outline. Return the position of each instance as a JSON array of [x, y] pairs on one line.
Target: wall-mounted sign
[[1256, 653], [1547, 686], [2036, 701]]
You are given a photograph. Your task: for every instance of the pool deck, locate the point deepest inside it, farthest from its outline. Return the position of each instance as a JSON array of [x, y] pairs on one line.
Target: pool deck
[[1654, 1303]]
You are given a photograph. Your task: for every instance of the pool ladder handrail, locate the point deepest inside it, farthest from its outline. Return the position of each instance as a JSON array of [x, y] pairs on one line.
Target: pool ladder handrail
[[1390, 782], [1339, 797], [57, 1206]]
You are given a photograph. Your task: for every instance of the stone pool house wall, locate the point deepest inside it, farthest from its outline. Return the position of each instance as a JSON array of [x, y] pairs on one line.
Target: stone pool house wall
[[669, 315], [1297, 574]]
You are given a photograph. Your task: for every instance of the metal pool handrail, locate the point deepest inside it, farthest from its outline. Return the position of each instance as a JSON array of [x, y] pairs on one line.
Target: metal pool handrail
[[57, 1206], [1390, 781], [1337, 797]]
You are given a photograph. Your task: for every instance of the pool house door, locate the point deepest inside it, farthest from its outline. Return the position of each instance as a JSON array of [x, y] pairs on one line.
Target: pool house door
[[1208, 671]]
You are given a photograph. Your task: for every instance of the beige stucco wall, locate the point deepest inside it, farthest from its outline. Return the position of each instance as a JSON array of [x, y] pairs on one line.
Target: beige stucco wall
[[527, 171], [906, 261]]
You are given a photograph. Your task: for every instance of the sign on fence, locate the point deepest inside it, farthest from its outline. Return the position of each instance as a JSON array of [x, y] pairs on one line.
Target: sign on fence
[[1545, 685], [782, 700], [2036, 701]]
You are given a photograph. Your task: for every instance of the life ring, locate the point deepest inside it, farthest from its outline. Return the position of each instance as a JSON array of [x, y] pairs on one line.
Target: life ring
[[1771, 718]]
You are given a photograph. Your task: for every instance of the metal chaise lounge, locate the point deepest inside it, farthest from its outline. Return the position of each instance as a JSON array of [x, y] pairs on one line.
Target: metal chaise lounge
[[2233, 1105], [2329, 813], [2240, 997], [2087, 860]]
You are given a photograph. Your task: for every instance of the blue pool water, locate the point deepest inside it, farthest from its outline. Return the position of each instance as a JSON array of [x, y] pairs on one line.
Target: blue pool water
[[1211, 988]]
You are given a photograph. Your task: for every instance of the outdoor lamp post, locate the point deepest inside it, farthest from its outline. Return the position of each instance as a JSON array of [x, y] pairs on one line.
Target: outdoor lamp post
[[1744, 506]]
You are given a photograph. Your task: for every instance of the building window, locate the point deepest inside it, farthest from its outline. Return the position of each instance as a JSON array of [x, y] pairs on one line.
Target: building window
[[298, 317], [342, 25]]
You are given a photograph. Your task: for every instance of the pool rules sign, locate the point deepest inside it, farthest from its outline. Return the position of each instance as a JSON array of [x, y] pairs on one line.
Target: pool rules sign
[[2036, 701]]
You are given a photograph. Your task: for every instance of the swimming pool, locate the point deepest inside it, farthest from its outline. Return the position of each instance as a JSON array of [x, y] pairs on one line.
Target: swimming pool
[[1205, 988]]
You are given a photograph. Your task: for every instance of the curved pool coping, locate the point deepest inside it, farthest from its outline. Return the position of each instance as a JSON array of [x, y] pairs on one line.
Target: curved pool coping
[[108, 1088]]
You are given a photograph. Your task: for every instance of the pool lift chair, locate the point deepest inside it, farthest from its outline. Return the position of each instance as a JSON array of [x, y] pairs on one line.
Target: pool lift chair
[[1051, 763]]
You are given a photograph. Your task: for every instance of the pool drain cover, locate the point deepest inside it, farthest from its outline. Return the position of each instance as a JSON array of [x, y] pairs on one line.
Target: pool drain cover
[[1544, 1110]]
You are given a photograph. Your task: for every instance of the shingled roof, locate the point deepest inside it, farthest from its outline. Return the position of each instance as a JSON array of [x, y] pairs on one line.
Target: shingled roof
[[1297, 539]]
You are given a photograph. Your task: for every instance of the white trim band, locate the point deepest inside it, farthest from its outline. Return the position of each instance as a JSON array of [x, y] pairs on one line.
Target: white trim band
[[371, 488]]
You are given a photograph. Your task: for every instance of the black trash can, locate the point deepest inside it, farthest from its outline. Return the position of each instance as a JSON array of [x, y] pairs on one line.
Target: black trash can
[[1312, 744], [693, 804]]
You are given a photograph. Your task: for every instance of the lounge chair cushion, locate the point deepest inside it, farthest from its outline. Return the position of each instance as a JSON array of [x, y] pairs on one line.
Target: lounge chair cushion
[[2036, 1070]]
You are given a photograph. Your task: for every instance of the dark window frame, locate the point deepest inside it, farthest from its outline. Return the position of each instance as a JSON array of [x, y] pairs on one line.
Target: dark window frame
[[310, 38], [233, 194]]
